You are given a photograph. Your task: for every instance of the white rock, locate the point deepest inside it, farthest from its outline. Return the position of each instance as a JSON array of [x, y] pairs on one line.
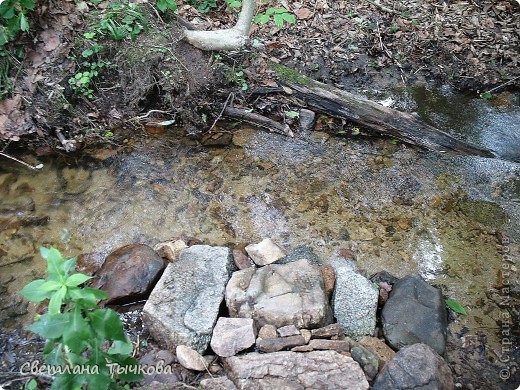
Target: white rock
[[265, 252], [232, 335], [190, 359]]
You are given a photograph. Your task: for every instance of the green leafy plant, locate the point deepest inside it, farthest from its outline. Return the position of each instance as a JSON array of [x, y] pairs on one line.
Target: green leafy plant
[[239, 77], [203, 6], [486, 95], [292, 114], [233, 4], [279, 16], [122, 20], [13, 19], [455, 306], [84, 342], [164, 5]]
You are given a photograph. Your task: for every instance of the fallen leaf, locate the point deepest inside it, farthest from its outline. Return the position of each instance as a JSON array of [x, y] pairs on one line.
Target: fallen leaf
[[304, 13]]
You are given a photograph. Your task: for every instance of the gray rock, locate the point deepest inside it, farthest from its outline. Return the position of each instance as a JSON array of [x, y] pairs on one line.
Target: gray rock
[[288, 330], [190, 359], [280, 343], [218, 383], [355, 303], [415, 367], [293, 370], [306, 119], [232, 335], [300, 253], [184, 305], [415, 313], [268, 331], [129, 273], [280, 294], [265, 252]]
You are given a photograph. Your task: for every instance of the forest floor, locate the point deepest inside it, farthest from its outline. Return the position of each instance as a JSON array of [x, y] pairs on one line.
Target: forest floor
[[471, 45]]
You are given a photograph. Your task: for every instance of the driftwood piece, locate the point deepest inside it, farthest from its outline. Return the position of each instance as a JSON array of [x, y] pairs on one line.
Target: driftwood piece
[[258, 120], [406, 127]]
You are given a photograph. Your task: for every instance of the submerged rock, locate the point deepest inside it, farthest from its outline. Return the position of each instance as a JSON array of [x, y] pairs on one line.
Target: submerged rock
[[294, 370], [280, 294], [415, 367], [355, 303], [129, 273], [415, 313], [184, 306]]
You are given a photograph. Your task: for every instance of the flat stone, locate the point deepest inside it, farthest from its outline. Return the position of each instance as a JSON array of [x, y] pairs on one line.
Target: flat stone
[[302, 348], [301, 253], [278, 344], [379, 348], [129, 273], [415, 313], [327, 332], [355, 303], [293, 370], [218, 383], [240, 259], [232, 335], [288, 330], [417, 366], [265, 252], [170, 250], [190, 359], [280, 294], [333, 345], [185, 303]]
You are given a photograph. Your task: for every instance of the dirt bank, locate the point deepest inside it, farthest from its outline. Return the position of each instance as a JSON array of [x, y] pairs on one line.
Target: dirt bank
[[156, 77]]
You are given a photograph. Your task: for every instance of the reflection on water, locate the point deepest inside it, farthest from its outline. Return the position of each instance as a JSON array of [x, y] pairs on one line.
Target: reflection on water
[[398, 209]]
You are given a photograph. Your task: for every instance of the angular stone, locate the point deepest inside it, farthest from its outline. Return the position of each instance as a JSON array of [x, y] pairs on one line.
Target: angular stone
[[415, 367], [306, 119], [333, 345], [268, 331], [184, 306], [218, 383], [306, 335], [265, 252], [327, 332], [129, 273], [288, 330], [280, 294], [355, 303], [291, 370], [278, 344], [232, 335], [415, 313], [190, 359], [329, 279], [240, 259], [170, 250], [379, 348], [302, 348]]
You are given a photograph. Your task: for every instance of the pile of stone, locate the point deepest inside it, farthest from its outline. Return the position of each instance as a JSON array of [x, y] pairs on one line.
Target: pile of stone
[[292, 321]]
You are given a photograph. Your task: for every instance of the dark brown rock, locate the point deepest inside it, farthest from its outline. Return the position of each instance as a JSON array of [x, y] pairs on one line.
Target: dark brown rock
[[329, 279], [90, 263], [327, 332], [241, 260], [129, 273], [379, 348], [280, 343]]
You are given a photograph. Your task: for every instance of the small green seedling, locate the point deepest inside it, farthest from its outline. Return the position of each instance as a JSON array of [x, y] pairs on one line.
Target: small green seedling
[[455, 306]]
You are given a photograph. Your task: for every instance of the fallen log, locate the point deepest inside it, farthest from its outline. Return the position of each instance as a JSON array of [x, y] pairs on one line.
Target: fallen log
[[258, 120], [409, 128]]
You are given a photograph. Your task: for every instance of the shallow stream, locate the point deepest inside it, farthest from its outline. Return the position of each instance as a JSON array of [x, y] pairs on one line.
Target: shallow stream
[[453, 219]]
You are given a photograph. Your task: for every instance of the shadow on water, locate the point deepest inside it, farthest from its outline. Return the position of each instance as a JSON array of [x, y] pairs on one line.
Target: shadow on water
[[453, 219]]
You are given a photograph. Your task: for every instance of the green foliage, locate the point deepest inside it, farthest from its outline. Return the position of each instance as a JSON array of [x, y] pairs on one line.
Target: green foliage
[[80, 336], [455, 306], [233, 4], [122, 20], [292, 114], [13, 19], [203, 6], [164, 5], [239, 77], [486, 95], [279, 16]]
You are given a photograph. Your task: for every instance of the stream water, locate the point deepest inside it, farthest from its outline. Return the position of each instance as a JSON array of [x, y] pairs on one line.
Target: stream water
[[453, 219]]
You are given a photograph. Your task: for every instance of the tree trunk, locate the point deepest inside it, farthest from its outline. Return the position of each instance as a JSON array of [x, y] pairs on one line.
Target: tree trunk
[[406, 127]]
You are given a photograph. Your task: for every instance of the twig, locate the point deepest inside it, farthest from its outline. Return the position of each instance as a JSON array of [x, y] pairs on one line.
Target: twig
[[230, 96], [137, 118], [503, 84], [36, 167], [258, 120]]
